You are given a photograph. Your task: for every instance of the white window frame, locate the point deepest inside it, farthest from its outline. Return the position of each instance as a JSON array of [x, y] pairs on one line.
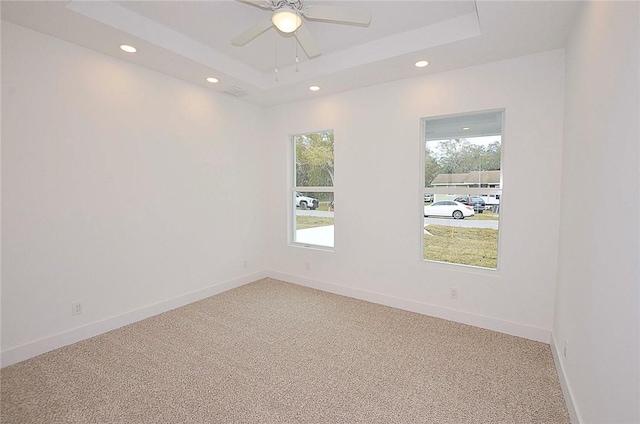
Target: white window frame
[[296, 188], [463, 191]]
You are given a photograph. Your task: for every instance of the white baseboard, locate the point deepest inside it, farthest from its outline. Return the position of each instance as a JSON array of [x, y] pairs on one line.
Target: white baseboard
[[574, 415], [507, 327], [29, 350]]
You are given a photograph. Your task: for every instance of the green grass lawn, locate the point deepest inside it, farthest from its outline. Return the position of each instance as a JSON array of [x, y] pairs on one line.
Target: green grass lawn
[[303, 222], [485, 216], [322, 206], [467, 246]]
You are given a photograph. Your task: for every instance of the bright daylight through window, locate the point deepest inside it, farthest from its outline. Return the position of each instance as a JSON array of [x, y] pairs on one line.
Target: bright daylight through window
[[462, 188], [312, 192]]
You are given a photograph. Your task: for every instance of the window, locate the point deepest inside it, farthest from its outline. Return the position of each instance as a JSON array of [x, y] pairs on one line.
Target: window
[[313, 189], [462, 188]]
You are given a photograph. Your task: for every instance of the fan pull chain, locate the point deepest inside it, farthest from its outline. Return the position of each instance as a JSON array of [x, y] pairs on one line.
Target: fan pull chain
[[276, 70], [297, 60]]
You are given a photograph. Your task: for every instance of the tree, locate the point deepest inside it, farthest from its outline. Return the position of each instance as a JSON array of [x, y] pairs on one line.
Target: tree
[[431, 168], [449, 157], [491, 157], [314, 159], [459, 156]]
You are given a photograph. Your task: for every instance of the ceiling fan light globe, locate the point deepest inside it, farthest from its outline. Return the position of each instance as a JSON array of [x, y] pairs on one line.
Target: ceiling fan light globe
[[286, 20]]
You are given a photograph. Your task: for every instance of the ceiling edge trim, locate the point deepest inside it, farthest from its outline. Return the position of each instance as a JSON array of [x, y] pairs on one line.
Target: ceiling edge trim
[[139, 26]]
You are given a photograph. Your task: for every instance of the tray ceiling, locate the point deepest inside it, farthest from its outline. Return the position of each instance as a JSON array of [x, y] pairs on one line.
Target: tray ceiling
[[191, 40]]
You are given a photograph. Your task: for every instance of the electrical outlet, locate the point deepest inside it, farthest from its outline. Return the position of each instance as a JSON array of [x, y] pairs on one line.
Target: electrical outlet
[[307, 266], [564, 349], [76, 308], [453, 293], [245, 264]]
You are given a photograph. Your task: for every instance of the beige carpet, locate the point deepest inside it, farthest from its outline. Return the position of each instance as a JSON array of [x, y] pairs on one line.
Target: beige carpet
[[273, 352]]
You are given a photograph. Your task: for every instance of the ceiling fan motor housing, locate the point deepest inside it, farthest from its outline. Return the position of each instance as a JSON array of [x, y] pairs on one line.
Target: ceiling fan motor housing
[[292, 4]]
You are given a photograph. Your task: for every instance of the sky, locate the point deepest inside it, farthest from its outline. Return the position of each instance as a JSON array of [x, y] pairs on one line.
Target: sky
[[478, 141]]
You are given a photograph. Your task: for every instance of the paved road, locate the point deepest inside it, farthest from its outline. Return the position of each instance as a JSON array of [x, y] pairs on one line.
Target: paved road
[[466, 223], [319, 236], [308, 212]]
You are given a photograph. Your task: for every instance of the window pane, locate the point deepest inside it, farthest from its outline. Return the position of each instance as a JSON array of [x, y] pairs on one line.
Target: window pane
[[314, 159], [314, 212], [463, 156], [463, 151], [462, 230]]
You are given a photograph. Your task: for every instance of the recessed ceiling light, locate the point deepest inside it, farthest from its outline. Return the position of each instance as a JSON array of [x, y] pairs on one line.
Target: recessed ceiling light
[[421, 63], [314, 88], [212, 80], [465, 128], [127, 48]]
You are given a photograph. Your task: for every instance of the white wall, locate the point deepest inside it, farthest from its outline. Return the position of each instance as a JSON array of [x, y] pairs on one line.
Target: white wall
[[379, 209], [598, 275], [121, 187]]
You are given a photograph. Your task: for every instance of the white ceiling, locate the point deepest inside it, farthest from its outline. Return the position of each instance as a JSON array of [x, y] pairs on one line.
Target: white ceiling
[[191, 40]]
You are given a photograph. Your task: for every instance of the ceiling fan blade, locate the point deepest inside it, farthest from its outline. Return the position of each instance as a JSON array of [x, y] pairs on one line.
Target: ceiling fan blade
[[252, 33], [307, 41], [352, 15], [263, 4]]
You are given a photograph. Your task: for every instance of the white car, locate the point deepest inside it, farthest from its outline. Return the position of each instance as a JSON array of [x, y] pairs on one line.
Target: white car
[[447, 208], [304, 202]]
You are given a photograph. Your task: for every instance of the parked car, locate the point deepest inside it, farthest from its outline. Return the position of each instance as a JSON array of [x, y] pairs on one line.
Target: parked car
[[428, 197], [451, 208], [477, 203], [304, 202]]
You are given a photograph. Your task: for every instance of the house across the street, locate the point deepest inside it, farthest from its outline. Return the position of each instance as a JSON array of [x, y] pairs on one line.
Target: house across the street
[[473, 179]]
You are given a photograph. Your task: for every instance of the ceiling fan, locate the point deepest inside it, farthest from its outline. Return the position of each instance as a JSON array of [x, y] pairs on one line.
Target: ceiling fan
[[287, 17]]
